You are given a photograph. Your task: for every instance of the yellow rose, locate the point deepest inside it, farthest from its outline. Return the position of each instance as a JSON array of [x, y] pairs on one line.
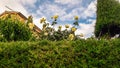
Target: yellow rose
[[66, 26], [46, 34], [60, 27], [42, 20], [73, 29], [71, 37], [55, 17], [31, 25], [76, 17]]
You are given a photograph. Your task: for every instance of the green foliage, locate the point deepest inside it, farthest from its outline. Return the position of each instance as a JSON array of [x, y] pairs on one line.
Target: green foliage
[[108, 18], [61, 54], [14, 30], [60, 35], [2, 39], [55, 35]]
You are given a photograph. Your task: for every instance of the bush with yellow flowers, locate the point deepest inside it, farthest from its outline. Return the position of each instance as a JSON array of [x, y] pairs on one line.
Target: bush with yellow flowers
[[50, 33]]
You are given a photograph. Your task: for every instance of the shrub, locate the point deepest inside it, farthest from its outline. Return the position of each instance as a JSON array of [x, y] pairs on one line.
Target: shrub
[[14, 30], [108, 18], [60, 54], [2, 39], [50, 33]]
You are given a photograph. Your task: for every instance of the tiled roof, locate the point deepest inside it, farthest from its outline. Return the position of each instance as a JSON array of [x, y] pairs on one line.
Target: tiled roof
[[14, 12]]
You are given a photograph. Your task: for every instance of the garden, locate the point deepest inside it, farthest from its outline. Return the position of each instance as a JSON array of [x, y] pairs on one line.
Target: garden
[[22, 47]]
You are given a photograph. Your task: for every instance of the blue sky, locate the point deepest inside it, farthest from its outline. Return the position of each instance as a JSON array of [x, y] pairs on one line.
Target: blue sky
[[66, 9]]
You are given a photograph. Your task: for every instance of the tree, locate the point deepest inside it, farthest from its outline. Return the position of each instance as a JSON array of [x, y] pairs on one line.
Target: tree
[[108, 18]]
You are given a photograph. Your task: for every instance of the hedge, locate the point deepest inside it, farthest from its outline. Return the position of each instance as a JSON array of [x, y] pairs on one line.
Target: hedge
[[61, 54]]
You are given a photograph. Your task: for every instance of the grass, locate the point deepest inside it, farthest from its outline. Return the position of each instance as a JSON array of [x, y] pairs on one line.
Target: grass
[[61, 54]]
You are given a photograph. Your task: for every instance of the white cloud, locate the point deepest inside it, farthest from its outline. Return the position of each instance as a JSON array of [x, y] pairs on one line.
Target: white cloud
[[31, 3], [90, 11], [50, 9], [16, 5], [47, 9], [81, 11], [69, 2], [66, 14], [86, 29], [74, 12]]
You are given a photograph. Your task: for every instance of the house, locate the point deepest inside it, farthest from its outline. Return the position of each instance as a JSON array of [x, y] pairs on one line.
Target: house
[[18, 16], [14, 15]]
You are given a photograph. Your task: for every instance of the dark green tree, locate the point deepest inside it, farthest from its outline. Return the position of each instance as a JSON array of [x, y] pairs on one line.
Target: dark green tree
[[108, 18]]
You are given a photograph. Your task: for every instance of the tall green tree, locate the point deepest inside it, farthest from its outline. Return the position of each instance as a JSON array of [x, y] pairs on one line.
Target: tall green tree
[[108, 18]]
